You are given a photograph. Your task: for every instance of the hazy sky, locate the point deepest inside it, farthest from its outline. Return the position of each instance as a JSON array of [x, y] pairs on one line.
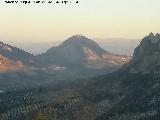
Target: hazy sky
[[93, 18]]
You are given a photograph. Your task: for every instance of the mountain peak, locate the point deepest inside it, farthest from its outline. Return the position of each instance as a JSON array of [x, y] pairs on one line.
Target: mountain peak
[[148, 45], [74, 49], [151, 34], [78, 36], [78, 39], [78, 43], [151, 38], [146, 55]]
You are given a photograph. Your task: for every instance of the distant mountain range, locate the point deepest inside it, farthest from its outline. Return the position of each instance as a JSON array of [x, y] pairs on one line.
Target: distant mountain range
[[74, 53], [119, 46]]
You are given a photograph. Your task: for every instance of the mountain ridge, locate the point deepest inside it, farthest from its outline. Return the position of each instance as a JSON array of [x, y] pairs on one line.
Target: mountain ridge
[[77, 53], [15, 53]]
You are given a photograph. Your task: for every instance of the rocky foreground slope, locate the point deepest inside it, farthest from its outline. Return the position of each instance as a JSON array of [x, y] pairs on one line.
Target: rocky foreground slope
[[141, 79]]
